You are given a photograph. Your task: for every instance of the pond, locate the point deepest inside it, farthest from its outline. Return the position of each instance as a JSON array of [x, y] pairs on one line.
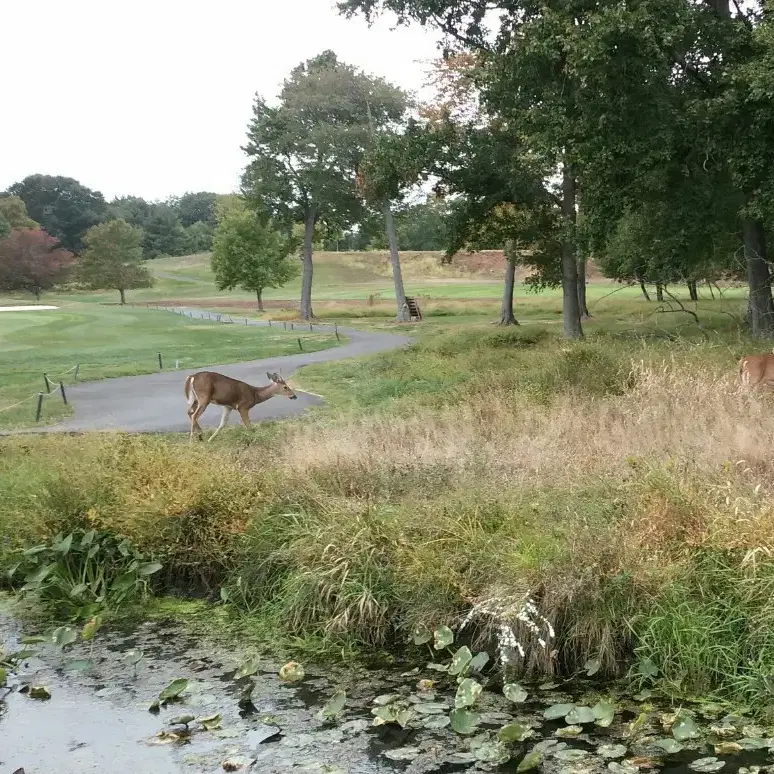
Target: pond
[[223, 709]]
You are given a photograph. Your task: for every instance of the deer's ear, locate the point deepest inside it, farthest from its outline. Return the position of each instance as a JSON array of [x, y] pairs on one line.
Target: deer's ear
[[272, 377]]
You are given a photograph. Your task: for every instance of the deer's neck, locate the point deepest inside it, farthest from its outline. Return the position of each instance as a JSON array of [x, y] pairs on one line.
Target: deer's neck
[[264, 393]]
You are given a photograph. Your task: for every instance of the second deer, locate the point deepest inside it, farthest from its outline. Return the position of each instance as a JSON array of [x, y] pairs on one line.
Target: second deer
[[207, 387], [757, 370]]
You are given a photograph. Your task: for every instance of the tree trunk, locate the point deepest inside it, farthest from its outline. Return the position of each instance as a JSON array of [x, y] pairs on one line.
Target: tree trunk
[[397, 275], [659, 292], [693, 291], [571, 310], [306, 280], [644, 290], [506, 311], [123, 296], [582, 306], [760, 306], [37, 294], [258, 295]]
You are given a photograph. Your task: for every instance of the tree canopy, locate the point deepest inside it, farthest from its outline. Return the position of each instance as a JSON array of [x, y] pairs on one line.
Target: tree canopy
[[32, 261], [248, 252], [65, 208], [112, 259], [305, 151]]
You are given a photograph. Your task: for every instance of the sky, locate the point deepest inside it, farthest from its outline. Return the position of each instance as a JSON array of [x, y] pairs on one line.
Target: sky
[[152, 98]]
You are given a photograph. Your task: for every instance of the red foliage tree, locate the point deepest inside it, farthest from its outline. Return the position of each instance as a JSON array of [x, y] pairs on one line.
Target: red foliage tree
[[33, 261]]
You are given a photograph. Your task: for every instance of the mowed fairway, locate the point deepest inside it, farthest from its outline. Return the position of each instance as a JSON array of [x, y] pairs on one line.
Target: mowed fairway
[[118, 341]]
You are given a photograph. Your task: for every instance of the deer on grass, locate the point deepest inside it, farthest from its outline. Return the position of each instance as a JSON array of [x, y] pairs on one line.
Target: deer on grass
[[757, 370], [207, 387]]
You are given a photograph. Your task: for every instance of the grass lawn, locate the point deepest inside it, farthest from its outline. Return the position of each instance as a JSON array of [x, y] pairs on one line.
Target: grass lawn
[[118, 341]]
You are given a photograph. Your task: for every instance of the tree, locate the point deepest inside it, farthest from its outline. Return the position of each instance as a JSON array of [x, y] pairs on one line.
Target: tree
[[163, 234], [249, 253], [198, 238], [5, 226], [63, 207], [304, 153], [196, 208], [113, 258], [14, 211], [33, 261], [133, 209]]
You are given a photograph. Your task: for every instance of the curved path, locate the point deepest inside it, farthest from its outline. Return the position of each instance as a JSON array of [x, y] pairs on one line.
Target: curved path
[[155, 402]]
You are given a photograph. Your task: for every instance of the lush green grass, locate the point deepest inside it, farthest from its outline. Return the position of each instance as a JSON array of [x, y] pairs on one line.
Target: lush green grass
[[118, 341]]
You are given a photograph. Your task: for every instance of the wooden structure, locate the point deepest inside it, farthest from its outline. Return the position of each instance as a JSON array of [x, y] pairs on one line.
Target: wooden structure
[[415, 313]]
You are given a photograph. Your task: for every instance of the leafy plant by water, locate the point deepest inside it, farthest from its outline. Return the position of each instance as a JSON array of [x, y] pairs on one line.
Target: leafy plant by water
[[84, 572]]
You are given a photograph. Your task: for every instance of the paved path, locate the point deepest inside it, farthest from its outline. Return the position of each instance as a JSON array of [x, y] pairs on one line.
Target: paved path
[[156, 403]]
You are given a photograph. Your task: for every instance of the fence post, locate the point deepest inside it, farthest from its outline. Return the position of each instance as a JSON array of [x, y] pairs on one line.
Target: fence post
[[62, 390], [284, 325], [161, 364], [77, 366], [336, 331], [300, 345], [291, 326], [40, 407], [270, 323], [177, 364], [48, 384], [245, 321], [310, 327]]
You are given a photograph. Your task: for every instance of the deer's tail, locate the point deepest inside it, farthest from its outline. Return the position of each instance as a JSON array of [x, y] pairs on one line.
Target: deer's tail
[[744, 374], [190, 393]]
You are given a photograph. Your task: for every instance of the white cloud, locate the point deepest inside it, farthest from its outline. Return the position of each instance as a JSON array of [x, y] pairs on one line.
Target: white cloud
[[152, 98]]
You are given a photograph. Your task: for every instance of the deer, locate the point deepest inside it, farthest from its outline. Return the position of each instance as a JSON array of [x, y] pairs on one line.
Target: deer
[[207, 387], [757, 370]]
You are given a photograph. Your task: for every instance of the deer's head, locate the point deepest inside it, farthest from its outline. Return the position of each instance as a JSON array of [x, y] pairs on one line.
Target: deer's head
[[282, 387]]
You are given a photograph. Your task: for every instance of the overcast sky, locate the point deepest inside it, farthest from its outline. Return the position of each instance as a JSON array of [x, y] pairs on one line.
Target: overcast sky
[[152, 97]]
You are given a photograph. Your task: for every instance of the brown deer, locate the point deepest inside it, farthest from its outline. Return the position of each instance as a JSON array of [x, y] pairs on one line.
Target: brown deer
[[757, 370], [207, 387]]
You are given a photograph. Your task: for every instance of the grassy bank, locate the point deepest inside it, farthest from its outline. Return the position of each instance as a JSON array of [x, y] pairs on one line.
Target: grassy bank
[[118, 341], [624, 482]]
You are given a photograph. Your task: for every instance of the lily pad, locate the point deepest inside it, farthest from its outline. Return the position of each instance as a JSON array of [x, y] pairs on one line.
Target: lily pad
[[467, 693], [210, 722], [174, 689], [431, 708], [592, 666], [604, 712], [443, 636], [669, 745], [39, 692], [460, 661], [558, 711], [421, 635], [437, 722], [728, 748], [438, 667], [334, 705], [705, 765], [684, 728], [622, 768], [515, 693], [643, 695], [249, 668], [385, 699], [463, 721], [571, 755], [580, 715], [80, 665], [568, 732], [490, 751], [479, 661], [292, 672], [530, 761], [403, 754], [64, 636], [513, 732], [610, 751]]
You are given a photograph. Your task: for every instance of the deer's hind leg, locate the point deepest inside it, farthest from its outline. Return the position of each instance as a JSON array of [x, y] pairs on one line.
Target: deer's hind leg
[[195, 413]]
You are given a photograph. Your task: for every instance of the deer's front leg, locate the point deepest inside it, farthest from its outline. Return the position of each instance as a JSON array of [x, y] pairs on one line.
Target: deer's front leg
[[243, 413]]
